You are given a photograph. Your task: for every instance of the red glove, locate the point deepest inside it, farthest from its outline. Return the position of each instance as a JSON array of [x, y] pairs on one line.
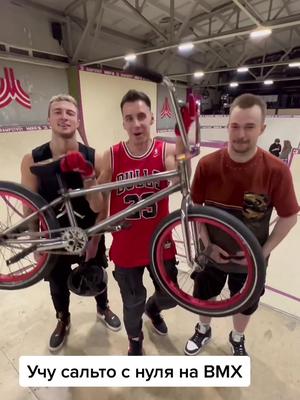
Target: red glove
[[74, 161], [189, 113]]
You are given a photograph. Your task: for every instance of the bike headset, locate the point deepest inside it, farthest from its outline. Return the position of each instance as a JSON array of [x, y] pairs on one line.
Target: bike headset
[[88, 279]]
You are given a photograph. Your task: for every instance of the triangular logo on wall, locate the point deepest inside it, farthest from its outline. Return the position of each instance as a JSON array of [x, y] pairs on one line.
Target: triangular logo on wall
[[10, 89], [166, 109]]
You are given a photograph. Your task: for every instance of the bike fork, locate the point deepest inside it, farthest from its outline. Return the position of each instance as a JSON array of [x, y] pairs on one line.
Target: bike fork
[[190, 231]]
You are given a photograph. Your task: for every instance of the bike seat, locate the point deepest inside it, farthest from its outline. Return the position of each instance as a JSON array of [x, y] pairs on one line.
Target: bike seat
[[50, 166]]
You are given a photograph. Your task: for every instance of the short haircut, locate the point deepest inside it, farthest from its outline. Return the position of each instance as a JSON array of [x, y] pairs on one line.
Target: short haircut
[[249, 100], [62, 97], [134, 95]]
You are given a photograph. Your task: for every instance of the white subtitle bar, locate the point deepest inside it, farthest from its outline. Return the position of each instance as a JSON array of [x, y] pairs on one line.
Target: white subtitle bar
[[123, 371]]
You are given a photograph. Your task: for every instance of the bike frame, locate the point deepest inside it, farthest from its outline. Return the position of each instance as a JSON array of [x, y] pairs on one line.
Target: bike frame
[[181, 182]]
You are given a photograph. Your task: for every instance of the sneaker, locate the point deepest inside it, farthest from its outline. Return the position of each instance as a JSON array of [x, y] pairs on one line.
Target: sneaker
[[110, 319], [59, 335], [136, 346], [197, 341], [158, 323], [238, 348]]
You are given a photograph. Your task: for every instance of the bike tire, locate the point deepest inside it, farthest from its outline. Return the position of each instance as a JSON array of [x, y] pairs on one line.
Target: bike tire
[[47, 219], [255, 277]]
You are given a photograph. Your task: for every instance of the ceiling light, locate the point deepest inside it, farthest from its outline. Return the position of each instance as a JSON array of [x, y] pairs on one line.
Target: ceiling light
[[130, 57], [198, 74], [294, 64], [233, 84], [268, 82], [260, 33], [242, 69], [186, 46]]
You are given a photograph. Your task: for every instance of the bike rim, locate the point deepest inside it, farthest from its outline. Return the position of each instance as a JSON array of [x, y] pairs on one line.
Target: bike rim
[[183, 296], [12, 211]]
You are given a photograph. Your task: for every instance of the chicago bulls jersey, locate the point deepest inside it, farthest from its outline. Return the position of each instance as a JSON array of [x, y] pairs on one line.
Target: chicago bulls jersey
[[131, 246]]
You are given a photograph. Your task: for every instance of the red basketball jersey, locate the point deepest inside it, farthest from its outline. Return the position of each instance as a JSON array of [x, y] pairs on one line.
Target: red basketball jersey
[[131, 246]]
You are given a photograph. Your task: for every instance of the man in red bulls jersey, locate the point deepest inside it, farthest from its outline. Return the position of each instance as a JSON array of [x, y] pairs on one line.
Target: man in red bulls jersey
[[139, 156]]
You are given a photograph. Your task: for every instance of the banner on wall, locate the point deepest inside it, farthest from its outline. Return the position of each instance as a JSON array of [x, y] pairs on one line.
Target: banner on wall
[[165, 117], [25, 91]]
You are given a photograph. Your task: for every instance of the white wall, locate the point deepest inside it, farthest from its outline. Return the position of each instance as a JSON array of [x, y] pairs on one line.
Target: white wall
[[101, 96], [284, 128], [26, 27], [13, 147]]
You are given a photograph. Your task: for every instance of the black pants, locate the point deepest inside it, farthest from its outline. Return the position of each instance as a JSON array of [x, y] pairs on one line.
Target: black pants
[[133, 292], [58, 281]]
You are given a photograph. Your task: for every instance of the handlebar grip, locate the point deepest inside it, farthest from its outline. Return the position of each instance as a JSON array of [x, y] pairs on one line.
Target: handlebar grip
[[143, 72]]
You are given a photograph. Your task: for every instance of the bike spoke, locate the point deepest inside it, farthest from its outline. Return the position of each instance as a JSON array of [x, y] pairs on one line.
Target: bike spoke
[[13, 208], [195, 290]]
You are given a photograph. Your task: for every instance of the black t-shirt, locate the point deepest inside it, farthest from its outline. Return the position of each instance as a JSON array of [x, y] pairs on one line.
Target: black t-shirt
[[49, 187], [275, 149]]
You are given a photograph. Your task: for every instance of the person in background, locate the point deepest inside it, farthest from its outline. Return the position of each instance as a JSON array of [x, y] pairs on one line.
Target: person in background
[[275, 148], [286, 150]]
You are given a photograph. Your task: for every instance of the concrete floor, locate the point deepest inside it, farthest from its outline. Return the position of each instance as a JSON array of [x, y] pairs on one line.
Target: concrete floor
[[272, 339], [27, 319]]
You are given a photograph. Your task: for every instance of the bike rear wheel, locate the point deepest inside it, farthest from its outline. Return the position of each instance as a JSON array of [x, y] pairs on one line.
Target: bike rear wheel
[[20, 265], [241, 239]]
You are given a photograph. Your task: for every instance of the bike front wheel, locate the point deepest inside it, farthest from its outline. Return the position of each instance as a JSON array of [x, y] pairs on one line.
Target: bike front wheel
[[223, 300], [20, 265]]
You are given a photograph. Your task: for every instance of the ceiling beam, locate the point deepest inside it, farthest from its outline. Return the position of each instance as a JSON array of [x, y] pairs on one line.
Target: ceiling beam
[[139, 6], [281, 59], [40, 7], [281, 9], [280, 24], [90, 23], [62, 17], [99, 21], [292, 78], [214, 12], [32, 60], [73, 5], [270, 10], [144, 20], [233, 68], [247, 12]]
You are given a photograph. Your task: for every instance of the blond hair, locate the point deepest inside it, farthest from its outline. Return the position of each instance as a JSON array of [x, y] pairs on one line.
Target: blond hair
[[62, 97]]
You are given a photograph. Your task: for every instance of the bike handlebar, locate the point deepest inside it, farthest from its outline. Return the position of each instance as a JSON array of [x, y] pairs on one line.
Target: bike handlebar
[[153, 76]]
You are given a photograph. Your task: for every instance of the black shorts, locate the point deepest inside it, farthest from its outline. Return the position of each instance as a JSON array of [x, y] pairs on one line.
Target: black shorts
[[210, 282]]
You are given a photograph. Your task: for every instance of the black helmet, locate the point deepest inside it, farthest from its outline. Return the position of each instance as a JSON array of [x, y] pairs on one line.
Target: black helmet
[[88, 279]]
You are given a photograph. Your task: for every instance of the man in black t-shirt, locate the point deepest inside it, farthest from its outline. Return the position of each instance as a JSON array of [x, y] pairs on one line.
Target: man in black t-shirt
[[64, 121]]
